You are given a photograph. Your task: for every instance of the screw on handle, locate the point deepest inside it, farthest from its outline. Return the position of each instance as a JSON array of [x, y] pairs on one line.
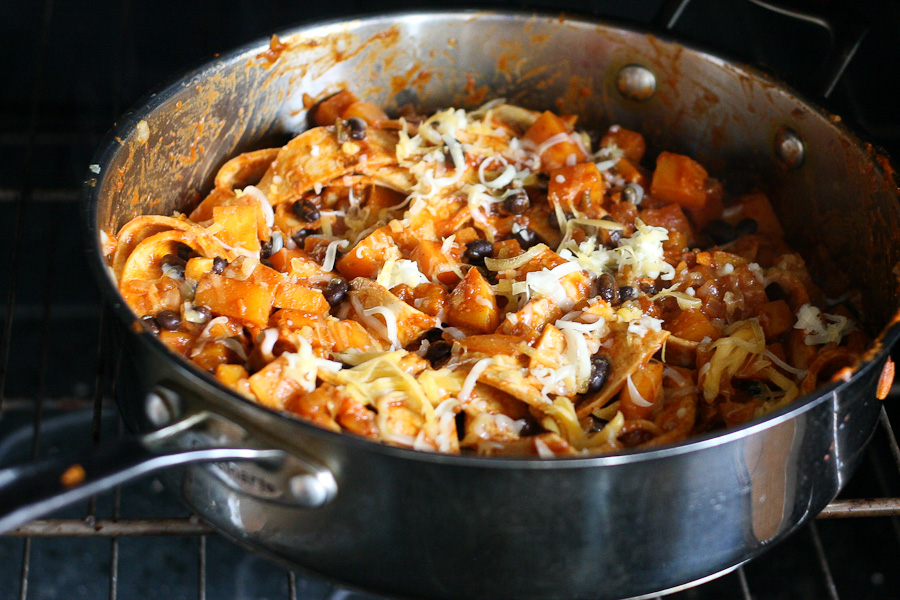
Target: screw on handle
[[845, 27]]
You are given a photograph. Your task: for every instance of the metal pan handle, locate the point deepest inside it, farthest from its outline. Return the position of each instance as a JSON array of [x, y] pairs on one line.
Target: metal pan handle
[[33, 490], [844, 25]]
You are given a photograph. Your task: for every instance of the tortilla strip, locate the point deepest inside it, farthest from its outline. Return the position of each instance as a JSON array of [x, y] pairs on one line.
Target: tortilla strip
[[514, 381], [139, 229], [316, 157], [143, 263], [245, 169], [411, 323]]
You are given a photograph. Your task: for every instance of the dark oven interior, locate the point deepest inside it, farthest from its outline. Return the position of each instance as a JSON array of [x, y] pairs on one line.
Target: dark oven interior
[[74, 68]]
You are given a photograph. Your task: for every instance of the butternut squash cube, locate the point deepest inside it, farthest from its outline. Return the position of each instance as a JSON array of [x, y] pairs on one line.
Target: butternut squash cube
[[631, 143], [236, 226], [331, 108], [647, 382], [369, 112], [244, 300], [367, 257], [271, 385], [679, 179], [197, 266], [776, 318], [557, 155], [473, 306], [576, 187], [693, 325], [434, 263]]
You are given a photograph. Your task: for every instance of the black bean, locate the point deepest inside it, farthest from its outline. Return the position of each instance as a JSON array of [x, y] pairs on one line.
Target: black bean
[[433, 335], [356, 128], [151, 324], [203, 312], [478, 250], [746, 226], [530, 427], [265, 250], [306, 210], [168, 319], [553, 220], [649, 288], [721, 231], [438, 352], [627, 292], [517, 203], [301, 235], [595, 425], [336, 291], [219, 265], [775, 292], [526, 237], [750, 387], [599, 373], [608, 288]]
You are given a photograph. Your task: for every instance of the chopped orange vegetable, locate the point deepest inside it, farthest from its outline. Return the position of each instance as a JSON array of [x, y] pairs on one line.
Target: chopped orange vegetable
[[776, 318], [631, 143], [577, 187], [271, 385], [330, 109], [756, 206], [236, 226], [473, 306], [434, 263], [366, 257], [298, 297], [693, 325], [381, 197], [233, 298], [680, 179], [631, 172], [281, 260], [648, 383], [557, 155]]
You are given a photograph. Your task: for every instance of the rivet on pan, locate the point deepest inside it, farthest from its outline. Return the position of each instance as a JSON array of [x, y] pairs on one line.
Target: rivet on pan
[[162, 407], [636, 82], [789, 148], [312, 490]]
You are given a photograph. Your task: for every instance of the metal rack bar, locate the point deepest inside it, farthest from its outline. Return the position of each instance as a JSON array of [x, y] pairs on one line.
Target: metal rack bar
[[745, 587], [26, 568], [201, 569], [862, 507], [823, 562], [110, 528]]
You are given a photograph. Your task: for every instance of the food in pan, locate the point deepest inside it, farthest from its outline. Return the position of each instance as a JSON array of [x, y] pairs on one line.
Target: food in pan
[[492, 281]]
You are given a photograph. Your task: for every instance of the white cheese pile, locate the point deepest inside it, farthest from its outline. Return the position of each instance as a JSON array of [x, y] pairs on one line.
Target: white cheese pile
[[641, 254], [821, 328]]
